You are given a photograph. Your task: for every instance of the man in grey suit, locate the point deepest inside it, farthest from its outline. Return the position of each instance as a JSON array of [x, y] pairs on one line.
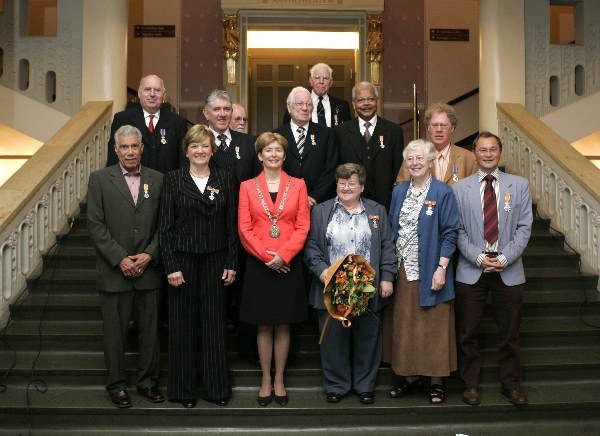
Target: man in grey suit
[[495, 225], [122, 210]]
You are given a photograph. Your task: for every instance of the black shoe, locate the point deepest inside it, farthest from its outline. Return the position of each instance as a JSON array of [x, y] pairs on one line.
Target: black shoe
[[221, 403], [120, 399], [334, 397], [264, 401], [152, 394], [366, 397], [407, 388], [282, 400]]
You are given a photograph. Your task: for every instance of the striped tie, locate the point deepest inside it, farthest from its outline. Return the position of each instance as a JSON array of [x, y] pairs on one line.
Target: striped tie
[[222, 141], [490, 211], [321, 112], [301, 139]]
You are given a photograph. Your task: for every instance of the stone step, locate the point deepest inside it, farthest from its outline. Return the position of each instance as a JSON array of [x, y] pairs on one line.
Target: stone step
[[553, 409]]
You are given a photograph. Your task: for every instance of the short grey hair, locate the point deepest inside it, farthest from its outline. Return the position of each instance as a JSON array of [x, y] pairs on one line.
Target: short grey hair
[[217, 93], [364, 85], [321, 65], [127, 130], [426, 146], [162, 82], [293, 92]]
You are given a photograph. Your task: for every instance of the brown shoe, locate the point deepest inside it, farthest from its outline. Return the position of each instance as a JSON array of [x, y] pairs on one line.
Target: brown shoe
[[515, 396], [151, 394], [471, 396], [120, 399]]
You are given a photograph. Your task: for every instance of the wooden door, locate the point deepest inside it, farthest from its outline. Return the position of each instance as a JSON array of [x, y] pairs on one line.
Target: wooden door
[[273, 74]]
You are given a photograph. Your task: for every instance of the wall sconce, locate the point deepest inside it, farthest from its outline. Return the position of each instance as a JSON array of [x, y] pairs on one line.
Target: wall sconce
[[231, 44]]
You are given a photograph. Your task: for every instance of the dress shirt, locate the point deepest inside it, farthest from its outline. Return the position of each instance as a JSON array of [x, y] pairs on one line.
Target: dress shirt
[[496, 185], [348, 233], [227, 133], [442, 159], [147, 118], [326, 106], [294, 128], [361, 125], [407, 244], [133, 181]]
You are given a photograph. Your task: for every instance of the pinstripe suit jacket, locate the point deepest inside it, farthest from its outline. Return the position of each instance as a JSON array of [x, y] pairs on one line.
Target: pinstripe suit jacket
[[193, 222]]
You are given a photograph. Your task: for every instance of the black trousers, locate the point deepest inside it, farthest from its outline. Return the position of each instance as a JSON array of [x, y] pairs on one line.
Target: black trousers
[[197, 331], [507, 302], [117, 308]]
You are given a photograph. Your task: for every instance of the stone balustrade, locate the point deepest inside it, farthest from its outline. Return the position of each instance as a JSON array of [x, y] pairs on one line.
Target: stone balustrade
[[564, 184], [40, 200]]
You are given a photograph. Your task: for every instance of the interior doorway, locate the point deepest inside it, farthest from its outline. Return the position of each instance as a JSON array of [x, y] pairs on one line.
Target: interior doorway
[[272, 73]]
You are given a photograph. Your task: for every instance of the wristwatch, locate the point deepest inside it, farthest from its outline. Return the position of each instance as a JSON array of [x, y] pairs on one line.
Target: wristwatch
[[442, 266]]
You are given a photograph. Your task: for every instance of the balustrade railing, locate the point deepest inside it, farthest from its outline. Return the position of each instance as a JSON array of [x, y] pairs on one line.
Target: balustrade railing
[[564, 184], [39, 200]]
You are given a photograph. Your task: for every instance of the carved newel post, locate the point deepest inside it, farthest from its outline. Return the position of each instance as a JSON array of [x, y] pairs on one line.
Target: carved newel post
[[375, 46], [231, 44]]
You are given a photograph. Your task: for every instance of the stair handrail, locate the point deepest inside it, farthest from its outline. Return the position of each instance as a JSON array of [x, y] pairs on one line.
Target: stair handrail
[[39, 200], [564, 183]]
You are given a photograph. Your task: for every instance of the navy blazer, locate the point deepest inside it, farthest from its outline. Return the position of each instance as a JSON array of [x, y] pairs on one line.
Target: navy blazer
[[437, 237], [383, 256]]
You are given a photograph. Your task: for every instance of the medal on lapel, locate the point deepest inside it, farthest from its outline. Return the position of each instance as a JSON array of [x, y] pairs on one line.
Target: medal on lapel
[[381, 144], [454, 176], [312, 139], [430, 205], [335, 116], [213, 191], [163, 139], [507, 202], [374, 219], [146, 195], [237, 152]]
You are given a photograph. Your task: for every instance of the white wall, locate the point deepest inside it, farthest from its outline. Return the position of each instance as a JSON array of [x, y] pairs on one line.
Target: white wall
[[29, 116], [576, 120]]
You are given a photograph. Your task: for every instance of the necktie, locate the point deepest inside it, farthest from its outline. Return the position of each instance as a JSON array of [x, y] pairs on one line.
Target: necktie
[[321, 112], [301, 139], [367, 134], [151, 124], [222, 141], [490, 211], [440, 167]]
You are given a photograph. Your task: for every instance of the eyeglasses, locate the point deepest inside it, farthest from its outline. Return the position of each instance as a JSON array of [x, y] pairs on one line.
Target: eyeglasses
[[366, 99], [301, 104], [440, 126], [344, 185], [325, 78], [419, 159]]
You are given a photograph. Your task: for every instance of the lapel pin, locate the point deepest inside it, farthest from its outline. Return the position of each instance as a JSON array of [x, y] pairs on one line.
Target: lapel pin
[[163, 139], [213, 191], [237, 152], [312, 139], [374, 219], [430, 205], [454, 176], [381, 144], [507, 202], [146, 195]]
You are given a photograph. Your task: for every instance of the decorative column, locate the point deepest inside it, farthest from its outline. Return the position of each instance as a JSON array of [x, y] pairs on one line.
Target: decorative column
[[231, 45], [375, 47], [501, 58]]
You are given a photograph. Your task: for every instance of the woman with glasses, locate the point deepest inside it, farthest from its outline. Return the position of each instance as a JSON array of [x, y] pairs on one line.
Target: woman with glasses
[[273, 222], [350, 224], [419, 339], [452, 162]]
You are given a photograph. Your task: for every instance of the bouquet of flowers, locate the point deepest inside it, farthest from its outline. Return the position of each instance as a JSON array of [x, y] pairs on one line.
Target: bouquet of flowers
[[348, 289]]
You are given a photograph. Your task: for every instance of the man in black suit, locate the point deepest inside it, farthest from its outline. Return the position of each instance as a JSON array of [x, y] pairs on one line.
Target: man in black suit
[[122, 210], [373, 142], [162, 131], [235, 150], [327, 111], [312, 152]]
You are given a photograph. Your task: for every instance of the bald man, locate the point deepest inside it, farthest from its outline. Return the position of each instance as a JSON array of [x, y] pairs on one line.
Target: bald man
[[239, 119], [162, 131]]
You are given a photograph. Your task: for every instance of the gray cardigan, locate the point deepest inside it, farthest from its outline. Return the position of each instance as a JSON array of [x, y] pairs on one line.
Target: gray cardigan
[[383, 255]]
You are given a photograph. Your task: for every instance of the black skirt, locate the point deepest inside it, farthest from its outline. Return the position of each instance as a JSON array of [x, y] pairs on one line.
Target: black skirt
[[271, 298]]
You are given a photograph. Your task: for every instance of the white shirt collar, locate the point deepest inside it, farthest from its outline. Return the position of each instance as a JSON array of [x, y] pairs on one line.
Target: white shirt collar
[[226, 133], [147, 114], [373, 122], [295, 126], [315, 98]]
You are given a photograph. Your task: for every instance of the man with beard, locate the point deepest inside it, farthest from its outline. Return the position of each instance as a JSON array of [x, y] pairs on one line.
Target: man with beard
[[373, 142]]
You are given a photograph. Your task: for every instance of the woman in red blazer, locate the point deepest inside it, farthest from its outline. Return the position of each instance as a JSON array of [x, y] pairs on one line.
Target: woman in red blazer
[[273, 222]]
